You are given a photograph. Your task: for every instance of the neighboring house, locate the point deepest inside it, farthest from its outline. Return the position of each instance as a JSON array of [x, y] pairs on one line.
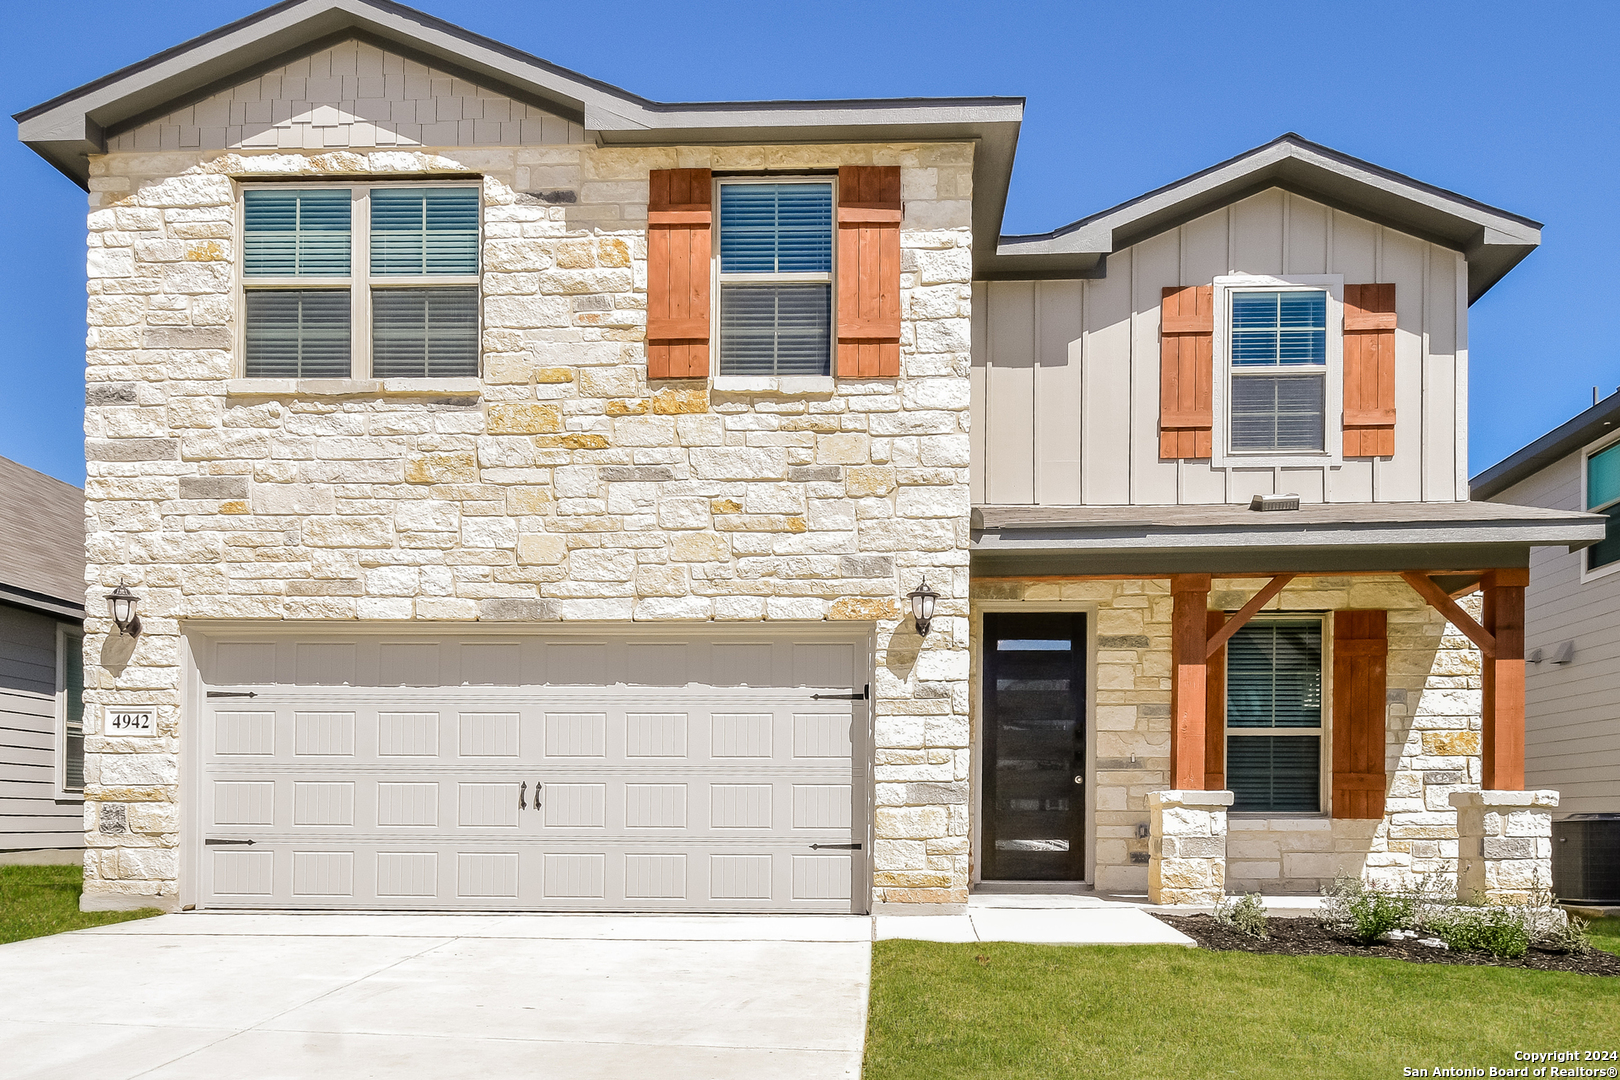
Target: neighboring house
[[527, 485], [41, 666], [1572, 611]]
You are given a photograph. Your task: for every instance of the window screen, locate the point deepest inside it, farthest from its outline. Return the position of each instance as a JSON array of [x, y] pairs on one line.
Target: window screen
[[429, 333], [297, 333], [1274, 716], [1278, 347], [776, 255], [1603, 497]]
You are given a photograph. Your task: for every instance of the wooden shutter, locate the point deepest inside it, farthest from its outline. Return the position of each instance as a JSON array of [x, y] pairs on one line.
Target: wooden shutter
[[1360, 664], [679, 223], [1187, 372], [1215, 710], [869, 271], [1369, 370]]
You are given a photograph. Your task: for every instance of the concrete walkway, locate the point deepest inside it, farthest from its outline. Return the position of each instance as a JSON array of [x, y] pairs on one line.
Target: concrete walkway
[[1045, 919], [206, 996]]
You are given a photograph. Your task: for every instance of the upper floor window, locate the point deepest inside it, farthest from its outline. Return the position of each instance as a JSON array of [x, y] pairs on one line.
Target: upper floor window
[[1274, 716], [360, 281], [776, 277], [1603, 497], [1279, 371]]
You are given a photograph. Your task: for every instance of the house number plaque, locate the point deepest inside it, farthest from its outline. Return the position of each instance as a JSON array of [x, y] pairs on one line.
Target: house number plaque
[[130, 722]]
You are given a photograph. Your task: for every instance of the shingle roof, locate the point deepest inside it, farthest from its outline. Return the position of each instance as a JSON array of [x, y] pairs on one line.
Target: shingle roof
[[41, 540]]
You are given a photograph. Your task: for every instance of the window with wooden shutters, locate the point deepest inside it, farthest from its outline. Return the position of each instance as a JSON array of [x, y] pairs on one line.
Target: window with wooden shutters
[[869, 216], [361, 281], [1186, 372], [1360, 667], [1274, 716], [679, 224], [776, 267], [1369, 370]]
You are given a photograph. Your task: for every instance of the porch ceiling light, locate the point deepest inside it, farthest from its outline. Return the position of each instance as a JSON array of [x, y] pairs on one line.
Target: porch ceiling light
[[922, 605], [121, 603]]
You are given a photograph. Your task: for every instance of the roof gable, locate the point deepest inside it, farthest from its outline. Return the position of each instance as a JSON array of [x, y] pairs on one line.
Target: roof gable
[[1493, 240]]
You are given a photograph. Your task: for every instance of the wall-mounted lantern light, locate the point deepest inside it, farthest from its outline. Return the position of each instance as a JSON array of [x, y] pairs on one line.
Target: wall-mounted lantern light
[[121, 602], [922, 606]]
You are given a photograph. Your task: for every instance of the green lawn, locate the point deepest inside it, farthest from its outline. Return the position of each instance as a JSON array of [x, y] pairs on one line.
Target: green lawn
[[40, 900], [1606, 934], [992, 1011]]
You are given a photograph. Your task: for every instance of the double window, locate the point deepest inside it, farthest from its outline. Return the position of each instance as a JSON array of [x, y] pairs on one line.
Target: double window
[[1603, 497], [377, 282], [1274, 716], [776, 277]]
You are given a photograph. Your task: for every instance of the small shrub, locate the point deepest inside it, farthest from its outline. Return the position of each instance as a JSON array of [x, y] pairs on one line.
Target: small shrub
[[1366, 912], [1245, 915], [1503, 932]]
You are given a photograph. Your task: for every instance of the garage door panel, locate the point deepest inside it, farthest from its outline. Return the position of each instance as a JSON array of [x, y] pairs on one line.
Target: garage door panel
[[687, 783]]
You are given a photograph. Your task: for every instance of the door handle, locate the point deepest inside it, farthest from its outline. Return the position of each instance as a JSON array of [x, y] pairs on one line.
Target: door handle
[[538, 786], [523, 787]]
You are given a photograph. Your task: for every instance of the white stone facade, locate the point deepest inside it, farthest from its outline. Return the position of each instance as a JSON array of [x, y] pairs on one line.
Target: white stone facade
[[1432, 733], [558, 486], [1506, 843], [1188, 838]]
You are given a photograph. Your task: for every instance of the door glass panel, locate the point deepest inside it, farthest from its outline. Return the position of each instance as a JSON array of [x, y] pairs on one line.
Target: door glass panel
[[1034, 693]]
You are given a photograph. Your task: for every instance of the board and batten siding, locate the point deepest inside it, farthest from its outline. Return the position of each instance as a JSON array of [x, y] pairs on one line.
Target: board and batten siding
[[1066, 373], [1572, 711], [30, 816]]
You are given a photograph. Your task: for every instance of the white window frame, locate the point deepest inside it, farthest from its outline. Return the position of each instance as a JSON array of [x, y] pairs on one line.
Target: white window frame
[[66, 637], [1602, 444], [809, 383], [359, 281], [1332, 452], [1324, 772]]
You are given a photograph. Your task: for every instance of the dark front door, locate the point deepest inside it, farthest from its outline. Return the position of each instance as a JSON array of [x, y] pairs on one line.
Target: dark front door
[[1034, 746]]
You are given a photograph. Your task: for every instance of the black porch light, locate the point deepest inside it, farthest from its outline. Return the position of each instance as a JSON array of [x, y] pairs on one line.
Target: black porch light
[[922, 605], [121, 603]]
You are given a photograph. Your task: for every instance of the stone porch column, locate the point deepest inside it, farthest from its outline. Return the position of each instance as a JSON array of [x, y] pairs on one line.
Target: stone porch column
[[1504, 844], [1187, 846]]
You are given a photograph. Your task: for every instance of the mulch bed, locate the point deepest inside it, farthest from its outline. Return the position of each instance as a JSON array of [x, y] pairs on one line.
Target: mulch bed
[[1305, 937]]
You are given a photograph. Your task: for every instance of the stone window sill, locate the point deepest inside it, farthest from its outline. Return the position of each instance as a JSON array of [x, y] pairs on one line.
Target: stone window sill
[[467, 387], [1265, 815], [775, 384]]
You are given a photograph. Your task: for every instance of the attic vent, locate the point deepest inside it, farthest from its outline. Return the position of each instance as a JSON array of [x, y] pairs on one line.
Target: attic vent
[[1274, 502]]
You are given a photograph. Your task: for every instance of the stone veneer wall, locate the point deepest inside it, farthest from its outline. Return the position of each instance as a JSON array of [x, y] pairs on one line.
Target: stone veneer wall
[[565, 487], [1433, 733]]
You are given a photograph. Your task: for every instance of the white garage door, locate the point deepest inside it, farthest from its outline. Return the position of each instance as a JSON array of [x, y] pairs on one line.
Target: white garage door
[[724, 774]]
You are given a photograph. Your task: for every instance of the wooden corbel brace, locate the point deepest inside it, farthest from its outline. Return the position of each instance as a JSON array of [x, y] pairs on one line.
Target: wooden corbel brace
[[1445, 605], [1235, 623]]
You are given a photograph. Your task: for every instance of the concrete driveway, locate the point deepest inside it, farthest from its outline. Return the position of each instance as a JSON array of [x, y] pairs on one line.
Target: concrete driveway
[[267, 996]]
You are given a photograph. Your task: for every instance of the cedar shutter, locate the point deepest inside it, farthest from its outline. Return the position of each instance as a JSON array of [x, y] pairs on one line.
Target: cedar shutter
[[1369, 370], [1215, 710], [1360, 663], [869, 215], [679, 222], [1187, 372]]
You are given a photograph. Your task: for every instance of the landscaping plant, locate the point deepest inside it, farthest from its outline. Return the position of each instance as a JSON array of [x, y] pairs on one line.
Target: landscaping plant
[[1245, 915], [1366, 911]]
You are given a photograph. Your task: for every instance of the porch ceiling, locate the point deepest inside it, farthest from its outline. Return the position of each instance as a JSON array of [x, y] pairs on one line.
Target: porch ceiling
[[1317, 538]]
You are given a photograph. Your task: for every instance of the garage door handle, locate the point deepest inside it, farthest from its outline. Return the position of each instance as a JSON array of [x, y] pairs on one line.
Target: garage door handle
[[522, 788], [864, 695], [211, 842], [841, 847], [232, 693]]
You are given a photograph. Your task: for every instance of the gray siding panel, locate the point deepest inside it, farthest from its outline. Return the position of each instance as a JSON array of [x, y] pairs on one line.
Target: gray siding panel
[[30, 816], [1572, 712]]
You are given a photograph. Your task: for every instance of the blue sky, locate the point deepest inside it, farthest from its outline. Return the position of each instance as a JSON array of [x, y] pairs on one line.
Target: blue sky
[[1513, 105]]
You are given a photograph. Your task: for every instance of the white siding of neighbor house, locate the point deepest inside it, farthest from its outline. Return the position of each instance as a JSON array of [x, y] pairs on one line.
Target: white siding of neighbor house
[[1572, 711], [30, 816], [1066, 373], [352, 94]]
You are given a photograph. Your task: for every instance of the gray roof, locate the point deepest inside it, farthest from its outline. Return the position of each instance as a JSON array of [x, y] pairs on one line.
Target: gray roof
[[1318, 537], [41, 541], [1493, 240], [67, 129], [1600, 420]]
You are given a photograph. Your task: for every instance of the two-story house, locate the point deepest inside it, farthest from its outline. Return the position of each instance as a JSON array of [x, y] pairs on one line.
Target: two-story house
[[531, 490]]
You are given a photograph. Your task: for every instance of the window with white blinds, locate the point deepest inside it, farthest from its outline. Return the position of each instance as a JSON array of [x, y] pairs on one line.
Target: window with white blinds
[[776, 265], [1274, 716], [1278, 353], [361, 281]]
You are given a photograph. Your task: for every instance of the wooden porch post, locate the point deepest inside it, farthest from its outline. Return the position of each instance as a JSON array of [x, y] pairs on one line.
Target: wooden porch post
[[1503, 712], [1188, 651]]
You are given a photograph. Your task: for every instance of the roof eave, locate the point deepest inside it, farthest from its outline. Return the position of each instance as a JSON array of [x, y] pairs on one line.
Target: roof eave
[[1601, 419]]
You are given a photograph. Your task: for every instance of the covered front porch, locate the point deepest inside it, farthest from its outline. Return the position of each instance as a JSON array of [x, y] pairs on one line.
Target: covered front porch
[[1271, 703]]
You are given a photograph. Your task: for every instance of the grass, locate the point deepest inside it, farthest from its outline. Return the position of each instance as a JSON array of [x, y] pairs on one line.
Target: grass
[[1606, 934], [39, 900], [992, 1011]]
